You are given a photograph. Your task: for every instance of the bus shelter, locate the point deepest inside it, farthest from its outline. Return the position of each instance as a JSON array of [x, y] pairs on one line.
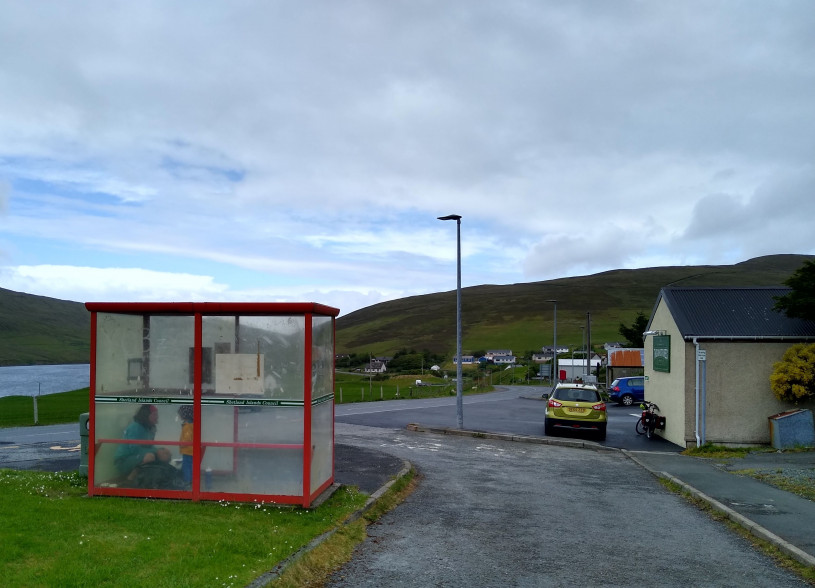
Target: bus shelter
[[212, 401]]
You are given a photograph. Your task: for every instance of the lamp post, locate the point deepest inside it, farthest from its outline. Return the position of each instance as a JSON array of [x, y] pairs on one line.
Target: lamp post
[[459, 398], [554, 346], [583, 347]]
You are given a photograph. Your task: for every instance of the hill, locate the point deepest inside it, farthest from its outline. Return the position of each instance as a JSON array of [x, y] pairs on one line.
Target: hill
[[518, 316], [41, 330]]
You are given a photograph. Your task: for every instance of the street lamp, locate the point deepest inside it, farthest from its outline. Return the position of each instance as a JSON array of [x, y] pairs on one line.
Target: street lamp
[[554, 346], [459, 398], [583, 346]]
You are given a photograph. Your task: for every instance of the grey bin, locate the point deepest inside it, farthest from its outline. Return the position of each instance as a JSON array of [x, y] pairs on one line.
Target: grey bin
[[792, 428], [84, 432]]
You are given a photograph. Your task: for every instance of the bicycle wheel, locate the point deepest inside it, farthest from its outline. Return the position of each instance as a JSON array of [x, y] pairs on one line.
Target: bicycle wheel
[[640, 428]]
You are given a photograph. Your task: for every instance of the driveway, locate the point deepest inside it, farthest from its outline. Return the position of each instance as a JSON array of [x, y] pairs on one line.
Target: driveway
[[493, 513]]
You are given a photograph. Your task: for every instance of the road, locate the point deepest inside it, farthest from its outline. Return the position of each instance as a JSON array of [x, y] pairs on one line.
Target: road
[[495, 513], [511, 409]]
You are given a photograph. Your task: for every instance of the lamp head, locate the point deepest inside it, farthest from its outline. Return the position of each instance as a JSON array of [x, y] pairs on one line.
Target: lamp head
[[455, 217]]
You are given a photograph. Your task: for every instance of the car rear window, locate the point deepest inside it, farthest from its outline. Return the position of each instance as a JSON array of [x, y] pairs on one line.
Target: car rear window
[[576, 394]]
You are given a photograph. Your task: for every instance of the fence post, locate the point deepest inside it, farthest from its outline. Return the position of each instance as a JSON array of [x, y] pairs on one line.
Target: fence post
[[381, 393], [36, 416], [362, 391], [340, 394]]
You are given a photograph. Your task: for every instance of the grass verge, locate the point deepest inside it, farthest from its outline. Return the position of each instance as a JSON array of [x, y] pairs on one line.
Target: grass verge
[[314, 568], [802, 487], [718, 451], [54, 535], [52, 409]]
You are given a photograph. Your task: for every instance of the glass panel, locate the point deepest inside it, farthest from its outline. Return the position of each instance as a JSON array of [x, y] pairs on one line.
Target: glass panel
[[255, 357], [252, 449], [143, 355], [322, 394], [151, 458], [119, 353], [322, 438], [171, 338]]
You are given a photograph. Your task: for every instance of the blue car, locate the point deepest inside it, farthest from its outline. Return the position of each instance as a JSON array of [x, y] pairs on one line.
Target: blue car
[[627, 391]]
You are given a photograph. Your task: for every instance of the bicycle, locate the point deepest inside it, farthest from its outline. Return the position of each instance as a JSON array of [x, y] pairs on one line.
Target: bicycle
[[650, 420]]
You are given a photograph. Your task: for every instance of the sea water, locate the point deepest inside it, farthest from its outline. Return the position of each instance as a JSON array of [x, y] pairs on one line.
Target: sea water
[[31, 380]]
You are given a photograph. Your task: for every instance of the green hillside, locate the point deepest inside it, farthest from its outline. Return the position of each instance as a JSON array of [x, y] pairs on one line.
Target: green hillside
[[40, 330], [518, 317]]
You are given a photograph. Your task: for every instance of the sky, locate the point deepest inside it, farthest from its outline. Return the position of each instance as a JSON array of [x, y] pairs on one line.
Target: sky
[[302, 151]]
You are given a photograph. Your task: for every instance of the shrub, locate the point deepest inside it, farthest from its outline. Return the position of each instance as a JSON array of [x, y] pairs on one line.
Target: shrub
[[793, 378]]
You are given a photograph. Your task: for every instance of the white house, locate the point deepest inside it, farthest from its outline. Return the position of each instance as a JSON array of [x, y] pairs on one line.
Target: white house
[[376, 367], [465, 360], [503, 359]]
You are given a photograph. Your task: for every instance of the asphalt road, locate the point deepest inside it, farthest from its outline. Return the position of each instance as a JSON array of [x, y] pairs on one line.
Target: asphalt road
[[511, 409], [496, 513]]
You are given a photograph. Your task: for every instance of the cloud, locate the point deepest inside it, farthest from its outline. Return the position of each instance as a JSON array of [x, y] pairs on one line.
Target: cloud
[[283, 150]]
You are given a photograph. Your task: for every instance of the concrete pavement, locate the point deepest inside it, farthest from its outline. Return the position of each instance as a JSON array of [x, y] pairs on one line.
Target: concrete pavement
[[777, 516]]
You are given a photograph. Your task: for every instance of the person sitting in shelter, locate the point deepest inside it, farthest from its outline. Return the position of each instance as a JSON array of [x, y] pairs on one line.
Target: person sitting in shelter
[[185, 413], [143, 428]]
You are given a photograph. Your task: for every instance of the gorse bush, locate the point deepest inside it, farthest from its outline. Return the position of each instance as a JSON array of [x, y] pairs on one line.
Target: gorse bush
[[793, 378]]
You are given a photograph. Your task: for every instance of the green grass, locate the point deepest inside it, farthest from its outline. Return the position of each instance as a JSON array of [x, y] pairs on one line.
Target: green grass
[[53, 535], [52, 409], [720, 451], [349, 388]]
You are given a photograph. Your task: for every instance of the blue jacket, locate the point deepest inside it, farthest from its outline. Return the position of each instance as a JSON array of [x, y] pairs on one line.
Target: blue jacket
[[129, 456]]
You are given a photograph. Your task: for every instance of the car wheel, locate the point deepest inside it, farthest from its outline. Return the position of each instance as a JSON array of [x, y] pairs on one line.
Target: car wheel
[[601, 434], [548, 429], [627, 400]]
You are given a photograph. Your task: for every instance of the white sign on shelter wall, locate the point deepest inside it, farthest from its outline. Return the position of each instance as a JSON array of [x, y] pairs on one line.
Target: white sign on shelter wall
[[239, 374]]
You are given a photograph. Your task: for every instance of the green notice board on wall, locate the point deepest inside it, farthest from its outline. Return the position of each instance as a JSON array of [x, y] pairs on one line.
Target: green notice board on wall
[[662, 353]]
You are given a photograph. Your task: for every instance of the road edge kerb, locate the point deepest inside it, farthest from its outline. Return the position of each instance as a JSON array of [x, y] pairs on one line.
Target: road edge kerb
[[750, 526], [275, 572], [576, 443]]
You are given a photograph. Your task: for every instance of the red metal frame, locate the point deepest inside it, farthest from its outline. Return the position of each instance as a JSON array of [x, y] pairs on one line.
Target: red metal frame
[[198, 310]]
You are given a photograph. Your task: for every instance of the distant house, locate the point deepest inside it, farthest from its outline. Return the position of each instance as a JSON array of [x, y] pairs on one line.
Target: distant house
[[727, 339], [503, 359], [376, 367], [465, 360], [491, 354], [547, 351]]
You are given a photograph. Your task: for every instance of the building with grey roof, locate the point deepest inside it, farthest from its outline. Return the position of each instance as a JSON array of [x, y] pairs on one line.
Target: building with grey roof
[[709, 353]]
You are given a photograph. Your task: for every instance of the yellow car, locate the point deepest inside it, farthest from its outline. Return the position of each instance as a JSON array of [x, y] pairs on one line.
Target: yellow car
[[576, 407]]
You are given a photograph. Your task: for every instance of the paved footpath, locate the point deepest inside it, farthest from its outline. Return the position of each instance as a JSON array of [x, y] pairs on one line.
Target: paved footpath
[[784, 519], [497, 512]]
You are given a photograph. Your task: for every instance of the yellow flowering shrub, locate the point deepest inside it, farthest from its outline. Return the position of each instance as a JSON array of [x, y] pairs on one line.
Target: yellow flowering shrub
[[793, 378]]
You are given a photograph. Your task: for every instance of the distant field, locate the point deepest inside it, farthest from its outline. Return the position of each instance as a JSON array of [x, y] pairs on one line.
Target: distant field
[[52, 409]]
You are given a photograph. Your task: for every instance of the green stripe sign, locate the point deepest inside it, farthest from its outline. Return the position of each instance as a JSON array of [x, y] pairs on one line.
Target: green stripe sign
[[662, 353], [214, 401]]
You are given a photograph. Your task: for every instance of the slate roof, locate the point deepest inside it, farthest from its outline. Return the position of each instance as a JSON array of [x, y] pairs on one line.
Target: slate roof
[[733, 313]]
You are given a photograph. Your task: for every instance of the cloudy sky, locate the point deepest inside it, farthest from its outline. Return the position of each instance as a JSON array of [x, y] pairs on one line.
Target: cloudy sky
[[302, 151]]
